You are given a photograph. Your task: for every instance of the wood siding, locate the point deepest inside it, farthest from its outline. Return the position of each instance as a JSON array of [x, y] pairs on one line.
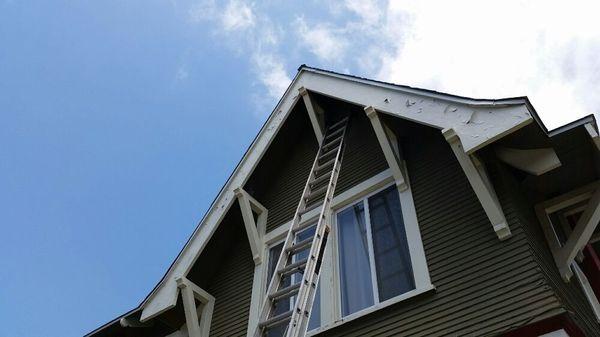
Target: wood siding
[[520, 210], [363, 158], [484, 286], [232, 289]]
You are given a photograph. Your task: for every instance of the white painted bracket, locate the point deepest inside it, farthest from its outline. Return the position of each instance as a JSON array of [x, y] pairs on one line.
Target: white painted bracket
[[254, 230], [481, 185], [583, 231], [312, 114], [389, 145], [189, 294]]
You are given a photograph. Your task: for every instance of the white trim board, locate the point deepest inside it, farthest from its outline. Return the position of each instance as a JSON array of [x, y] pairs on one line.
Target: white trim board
[[472, 120]]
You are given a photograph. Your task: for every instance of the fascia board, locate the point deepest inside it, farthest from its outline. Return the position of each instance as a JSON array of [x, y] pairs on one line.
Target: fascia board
[[477, 123]]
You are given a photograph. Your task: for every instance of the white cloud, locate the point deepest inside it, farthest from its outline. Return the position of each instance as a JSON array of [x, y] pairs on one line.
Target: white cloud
[[481, 49], [546, 50], [370, 11], [271, 73], [323, 41], [237, 15]]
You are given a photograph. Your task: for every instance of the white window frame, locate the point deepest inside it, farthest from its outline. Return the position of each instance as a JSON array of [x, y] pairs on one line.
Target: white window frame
[[373, 271], [330, 299]]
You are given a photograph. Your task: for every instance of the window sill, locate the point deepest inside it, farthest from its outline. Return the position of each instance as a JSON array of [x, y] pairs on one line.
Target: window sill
[[371, 309]]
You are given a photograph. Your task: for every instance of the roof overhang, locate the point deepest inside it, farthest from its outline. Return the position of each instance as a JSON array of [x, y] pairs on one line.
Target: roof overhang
[[477, 122]]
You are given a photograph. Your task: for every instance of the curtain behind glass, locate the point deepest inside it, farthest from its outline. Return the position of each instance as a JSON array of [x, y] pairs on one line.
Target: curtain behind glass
[[392, 259], [355, 271]]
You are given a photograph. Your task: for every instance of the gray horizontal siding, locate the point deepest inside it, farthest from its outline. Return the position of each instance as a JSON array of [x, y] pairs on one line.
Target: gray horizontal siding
[[232, 289], [285, 188], [519, 210], [362, 159], [483, 285]]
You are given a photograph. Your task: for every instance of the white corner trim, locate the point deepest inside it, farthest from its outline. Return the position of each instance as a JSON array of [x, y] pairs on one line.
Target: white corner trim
[[391, 156], [532, 161], [480, 184], [258, 293], [189, 294], [252, 229], [314, 119]]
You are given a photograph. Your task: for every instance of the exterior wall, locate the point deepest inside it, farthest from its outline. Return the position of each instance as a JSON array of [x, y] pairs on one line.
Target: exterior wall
[[484, 286], [232, 289], [520, 211], [362, 159]]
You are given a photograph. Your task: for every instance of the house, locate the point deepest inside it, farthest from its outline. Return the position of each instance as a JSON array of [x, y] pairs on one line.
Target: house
[[450, 216]]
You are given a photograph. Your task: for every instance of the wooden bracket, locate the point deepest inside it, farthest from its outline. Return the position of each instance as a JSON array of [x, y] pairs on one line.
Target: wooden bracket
[[582, 233], [189, 294], [389, 145], [578, 237], [255, 230], [475, 172], [312, 114]]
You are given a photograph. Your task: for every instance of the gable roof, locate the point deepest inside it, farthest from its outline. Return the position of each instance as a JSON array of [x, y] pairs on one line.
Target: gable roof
[[478, 122]]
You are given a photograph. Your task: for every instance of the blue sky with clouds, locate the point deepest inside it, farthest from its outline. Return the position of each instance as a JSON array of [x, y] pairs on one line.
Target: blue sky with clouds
[[121, 120]]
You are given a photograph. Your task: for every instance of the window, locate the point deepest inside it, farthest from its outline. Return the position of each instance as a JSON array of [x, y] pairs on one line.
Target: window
[[374, 258]]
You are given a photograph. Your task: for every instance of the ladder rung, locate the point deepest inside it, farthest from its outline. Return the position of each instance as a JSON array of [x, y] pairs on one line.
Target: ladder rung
[[333, 133], [304, 226], [276, 320], [285, 292], [299, 246], [335, 141], [310, 208], [320, 179], [328, 153], [316, 192], [336, 124], [324, 165], [292, 268]]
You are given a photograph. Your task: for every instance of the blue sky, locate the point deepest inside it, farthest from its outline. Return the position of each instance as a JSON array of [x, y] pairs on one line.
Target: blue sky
[[121, 120]]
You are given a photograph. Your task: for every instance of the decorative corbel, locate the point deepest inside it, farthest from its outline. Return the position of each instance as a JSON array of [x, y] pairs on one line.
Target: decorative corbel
[[312, 114], [480, 184], [389, 145]]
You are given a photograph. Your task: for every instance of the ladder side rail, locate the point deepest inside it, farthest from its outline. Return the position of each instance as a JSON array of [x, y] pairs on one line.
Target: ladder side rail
[[306, 293], [275, 279]]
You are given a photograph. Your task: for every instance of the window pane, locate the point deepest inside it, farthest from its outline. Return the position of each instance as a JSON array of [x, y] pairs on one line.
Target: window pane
[[392, 259], [355, 272]]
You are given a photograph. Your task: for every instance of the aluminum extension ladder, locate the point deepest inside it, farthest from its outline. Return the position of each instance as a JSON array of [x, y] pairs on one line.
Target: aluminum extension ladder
[[318, 192]]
